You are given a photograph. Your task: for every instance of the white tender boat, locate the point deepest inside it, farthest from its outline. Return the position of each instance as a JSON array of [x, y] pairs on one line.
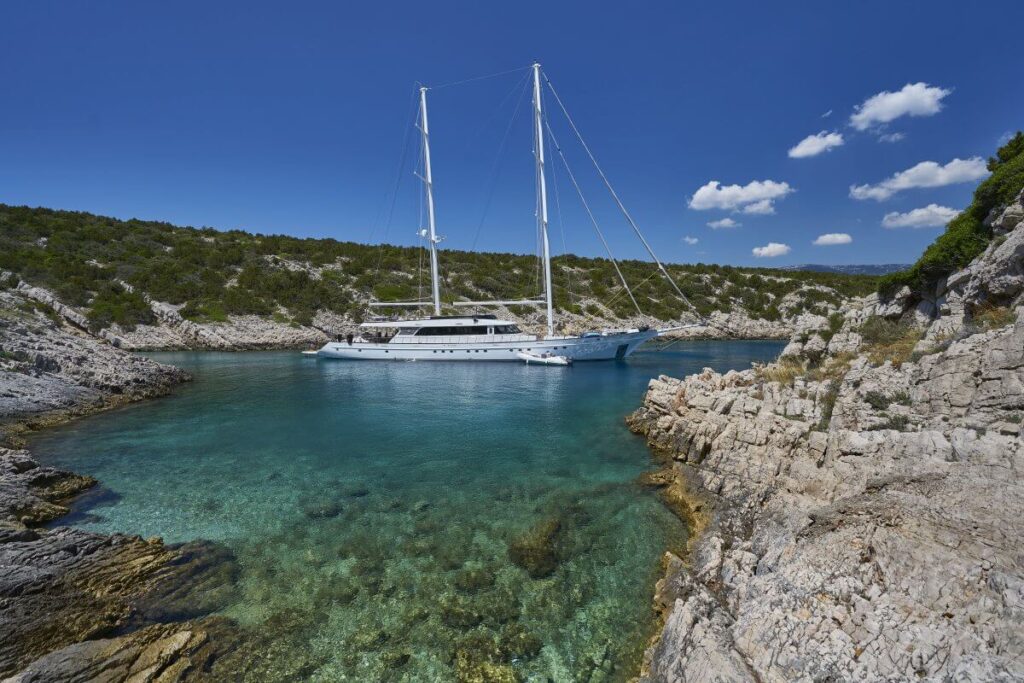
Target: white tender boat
[[529, 357], [484, 337]]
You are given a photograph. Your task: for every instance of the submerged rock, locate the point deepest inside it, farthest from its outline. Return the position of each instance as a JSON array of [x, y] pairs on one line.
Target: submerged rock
[[321, 508], [473, 580], [459, 613], [536, 550], [518, 642], [479, 659]]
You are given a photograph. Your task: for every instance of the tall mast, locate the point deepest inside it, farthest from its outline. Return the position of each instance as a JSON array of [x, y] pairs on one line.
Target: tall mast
[[542, 192], [428, 181]]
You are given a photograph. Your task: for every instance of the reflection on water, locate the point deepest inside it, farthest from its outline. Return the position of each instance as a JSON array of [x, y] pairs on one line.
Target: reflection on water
[[406, 521]]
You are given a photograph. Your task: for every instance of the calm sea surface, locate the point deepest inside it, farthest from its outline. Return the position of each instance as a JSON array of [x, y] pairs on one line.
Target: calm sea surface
[[379, 502]]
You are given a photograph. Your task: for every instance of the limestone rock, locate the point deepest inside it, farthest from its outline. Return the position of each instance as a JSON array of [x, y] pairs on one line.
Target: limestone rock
[[867, 526]]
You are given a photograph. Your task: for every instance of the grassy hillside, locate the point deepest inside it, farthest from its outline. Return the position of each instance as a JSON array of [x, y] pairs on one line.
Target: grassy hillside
[[84, 257], [966, 236]]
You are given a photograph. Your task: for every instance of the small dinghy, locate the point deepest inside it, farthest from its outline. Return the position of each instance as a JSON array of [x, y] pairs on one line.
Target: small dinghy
[[310, 353], [529, 357]]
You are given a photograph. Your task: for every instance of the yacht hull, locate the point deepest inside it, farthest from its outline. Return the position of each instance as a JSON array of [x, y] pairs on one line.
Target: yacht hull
[[600, 347]]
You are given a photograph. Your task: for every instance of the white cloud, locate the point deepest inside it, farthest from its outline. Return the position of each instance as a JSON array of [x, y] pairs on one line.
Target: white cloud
[[832, 238], [930, 216], [761, 193], [915, 99], [771, 250], [924, 174], [761, 208], [891, 137], [724, 223], [690, 240], [827, 114], [813, 145]]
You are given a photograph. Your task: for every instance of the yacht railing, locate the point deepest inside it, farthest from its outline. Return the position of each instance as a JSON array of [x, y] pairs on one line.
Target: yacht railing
[[463, 339]]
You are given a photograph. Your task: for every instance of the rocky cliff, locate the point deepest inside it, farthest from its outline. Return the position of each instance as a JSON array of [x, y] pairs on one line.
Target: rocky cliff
[[859, 503]]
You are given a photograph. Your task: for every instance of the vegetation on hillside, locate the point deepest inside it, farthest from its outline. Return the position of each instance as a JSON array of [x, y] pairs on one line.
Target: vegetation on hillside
[[87, 260], [966, 236]]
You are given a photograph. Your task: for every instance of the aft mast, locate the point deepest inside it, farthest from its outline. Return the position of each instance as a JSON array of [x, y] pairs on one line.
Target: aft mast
[[542, 192], [428, 181]]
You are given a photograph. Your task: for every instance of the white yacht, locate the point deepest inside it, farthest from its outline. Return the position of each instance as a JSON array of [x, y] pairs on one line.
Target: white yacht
[[485, 337], [482, 337]]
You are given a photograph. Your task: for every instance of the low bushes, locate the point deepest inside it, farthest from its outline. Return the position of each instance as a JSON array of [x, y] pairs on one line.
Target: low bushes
[[888, 340], [114, 304], [966, 235]]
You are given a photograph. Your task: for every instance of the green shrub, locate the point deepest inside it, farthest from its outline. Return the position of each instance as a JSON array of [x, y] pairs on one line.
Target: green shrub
[[115, 304], [835, 323], [205, 312], [897, 422], [828, 404], [966, 235], [879, 330], [877, 400]]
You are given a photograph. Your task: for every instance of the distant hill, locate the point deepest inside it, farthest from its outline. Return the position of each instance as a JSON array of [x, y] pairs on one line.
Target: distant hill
[[111, 270], [858, 269]]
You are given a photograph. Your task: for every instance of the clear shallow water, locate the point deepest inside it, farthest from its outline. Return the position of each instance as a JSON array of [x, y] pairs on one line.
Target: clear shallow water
[[375, 504]]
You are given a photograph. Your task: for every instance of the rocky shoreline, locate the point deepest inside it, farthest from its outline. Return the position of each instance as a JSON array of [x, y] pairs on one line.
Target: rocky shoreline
[[858, 504], [76, 605]]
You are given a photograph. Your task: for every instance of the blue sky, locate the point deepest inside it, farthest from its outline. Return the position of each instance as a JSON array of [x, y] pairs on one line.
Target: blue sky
[[290, 118]]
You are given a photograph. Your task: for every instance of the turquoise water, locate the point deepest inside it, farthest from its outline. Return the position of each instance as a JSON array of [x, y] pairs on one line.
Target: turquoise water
[[421, 521]]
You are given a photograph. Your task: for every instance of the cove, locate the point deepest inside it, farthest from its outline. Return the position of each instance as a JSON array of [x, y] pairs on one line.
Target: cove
[[413, 521]]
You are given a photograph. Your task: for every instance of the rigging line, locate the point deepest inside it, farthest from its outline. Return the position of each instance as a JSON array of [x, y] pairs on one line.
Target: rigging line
[[561, 224], [398, 179], [493, 177], [618, 201], [537, 232], [593, 220], [637, 288], [486, 121], [480, 78], [419, 275]]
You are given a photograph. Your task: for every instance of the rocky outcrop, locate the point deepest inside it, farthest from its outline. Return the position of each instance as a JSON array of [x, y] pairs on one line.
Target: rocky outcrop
[[76, 605], [49, 369], [64, 586], [868, 514], [240, 333]]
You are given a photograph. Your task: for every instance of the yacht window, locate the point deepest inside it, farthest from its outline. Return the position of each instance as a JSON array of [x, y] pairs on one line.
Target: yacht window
[[408, 331], [506, 329], [452, 331]]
